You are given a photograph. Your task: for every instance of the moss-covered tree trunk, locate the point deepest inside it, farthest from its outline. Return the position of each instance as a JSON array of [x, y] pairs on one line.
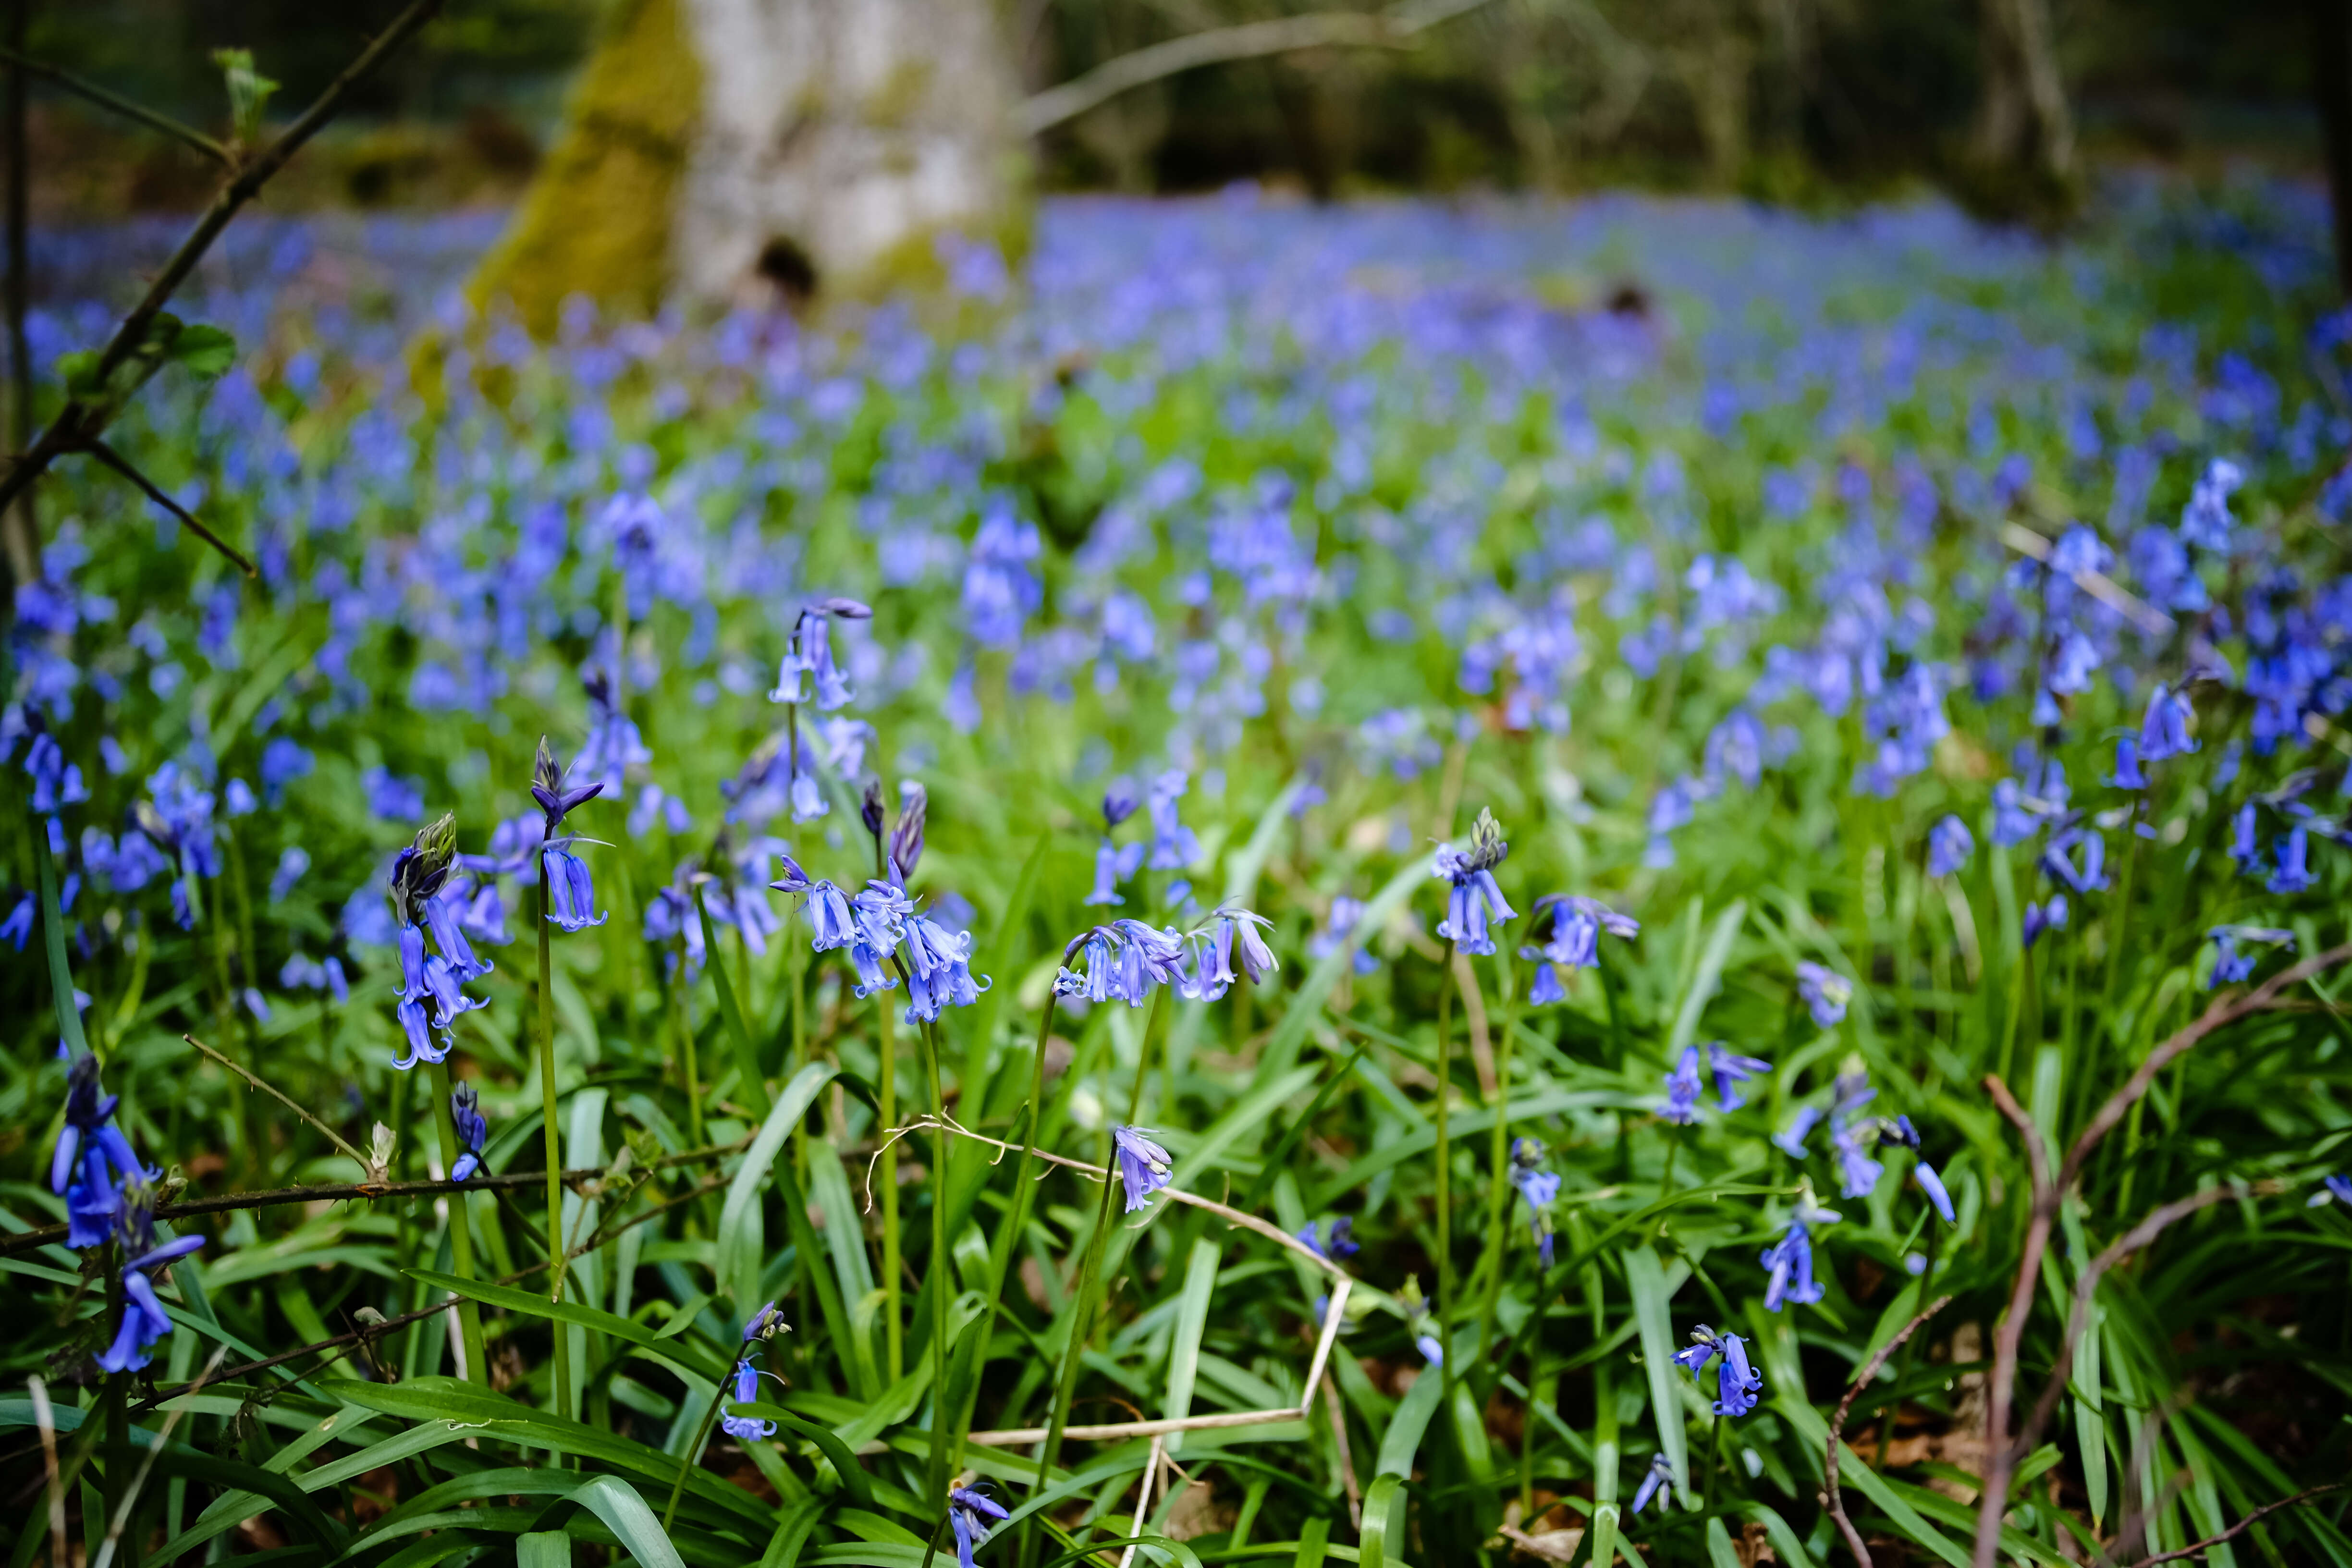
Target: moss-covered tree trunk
[[723, 152]]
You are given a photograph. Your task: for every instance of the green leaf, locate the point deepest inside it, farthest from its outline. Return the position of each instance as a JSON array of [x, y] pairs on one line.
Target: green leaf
[[1703, 983], [1719, 1545], [543, 1549], [1383, 1517], [1402, 1439], [742, 1241], [1192, 1320], [693, 1355], [1646, 1277], [626, 1515], [829, 1442], [205, 350], [1312, 1540], [1282, 1046], [1810, 1425]]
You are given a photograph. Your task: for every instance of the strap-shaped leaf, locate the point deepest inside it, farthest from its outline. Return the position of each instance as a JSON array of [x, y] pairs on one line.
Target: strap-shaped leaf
[[741, 1241], [691, 1353], [829, 1442]]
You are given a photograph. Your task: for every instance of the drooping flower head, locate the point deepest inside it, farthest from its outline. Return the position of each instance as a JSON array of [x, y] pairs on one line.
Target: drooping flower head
[[557, 799], [1949, 845], [1144, 1166], [1338, 1238], [810, 658], [938, 963], [1737, 1383], [1824, 992], [2232, 965], [1173, 845], [765, 1325], [826, 905], [973, 1513], [1577, 923], [92, 1153], [1789, 1263], [1538, 1187], [1474, 897], [473, 1130], [145, 1323], [419, 874], [747, 1428], [1731, 1070], [2046, 917], [1682, 1089], [1658, 1482], [1898, 1129], [2164, 731], [1790, 1140], [571, 890]]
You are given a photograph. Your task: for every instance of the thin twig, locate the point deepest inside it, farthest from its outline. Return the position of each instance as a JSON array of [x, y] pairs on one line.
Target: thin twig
[[1143, 1497], [2223, 1010], [80, 421], [1994, 1502], [2098, 584], [368, 1169], [122, 1521], [1869, 1369], [107, 97], [42, 1419], [583, 1180], [1272, 1231], [2078, 1316], [155, 492], [2193, 1548]]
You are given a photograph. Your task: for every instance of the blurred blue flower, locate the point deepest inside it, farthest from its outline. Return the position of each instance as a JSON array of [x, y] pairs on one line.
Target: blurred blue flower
[[2128, 774], [2040, 917], [1577, 923], [1538, 1187], [1337, 927], [145, 1323], [1144, 1166], [1949, 845], [473, 1130], [1682, 1089], [391, 798], [292, 862], [1790, 1140], [1899, 1131], [1824, 993], [2291, 876], [2164, 729], [1789, 1263], [1731, 1070], [1173, 845], [1657, 1481], [2230, 965]]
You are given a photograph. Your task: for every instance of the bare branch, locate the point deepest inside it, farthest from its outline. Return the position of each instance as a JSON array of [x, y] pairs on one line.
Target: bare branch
[[79, 422], [2262, 998], [1837, 1427], [1998, 1456], [121, 465], [1396, 27], [367, 1167], [2195, 1547], [2098, 584], [2078, 1316], [107, 97]]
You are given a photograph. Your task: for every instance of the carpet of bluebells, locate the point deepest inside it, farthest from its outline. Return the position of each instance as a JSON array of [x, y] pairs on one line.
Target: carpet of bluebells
[[1532, 760]]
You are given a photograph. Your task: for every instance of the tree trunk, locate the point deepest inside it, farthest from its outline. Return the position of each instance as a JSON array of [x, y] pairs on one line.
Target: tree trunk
[[2024, 125], [2332, 84], [727, 151]]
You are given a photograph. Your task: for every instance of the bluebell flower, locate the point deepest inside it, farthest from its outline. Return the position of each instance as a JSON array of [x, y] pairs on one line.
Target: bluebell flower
[[2128, 774], [1898, 1129], [2333, 1189], [1682, 1089], [2245, 844], [1538, 1187], [1113, 864], [236, 799], [765, 1325], [827, 907], [2163, 730], [2230, 965], [91, 1153], [144, 1323], [1577, 923], [1337, 927], [1790, 1140], [1824, 992], [1119, 803], [1857, 1171], [972, 1513], [283, 761], [1143, 1166], [556, 798], [1949, 845], [613, 744], [1173, 845], [419, 873], [1789, 1265], [747, 1428], [2039, 917], [571, 890], [1475, 898], [1338, 1238], [292, 862], [2293, 876], [1657, 1482], [57, 783], [1704, 1344], [939, 961], [1416, 1322], [1737, 1383], [18, 927], [473, 1130], [391, 798], [1729, 1070], [1124, 960], [810, 657], [2057, 859], [2205, 521]]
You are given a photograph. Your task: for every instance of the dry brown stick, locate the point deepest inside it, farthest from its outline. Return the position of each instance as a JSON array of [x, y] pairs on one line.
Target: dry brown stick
[[2194, 1547], [2223, 1010], [2078, 1315], [1994, 1502], [1869, 1369], [78, 422], [156, 493]]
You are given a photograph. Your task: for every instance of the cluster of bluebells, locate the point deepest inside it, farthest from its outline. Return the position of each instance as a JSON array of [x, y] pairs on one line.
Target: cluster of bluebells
[[1577, 923], [111, 1197], [1727, 1067], [1473, 898], [765, 1325], [1738, 1383], [1128, 960]]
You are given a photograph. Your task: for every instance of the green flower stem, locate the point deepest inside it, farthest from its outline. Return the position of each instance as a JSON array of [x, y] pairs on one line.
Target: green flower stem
[[557, 1269], [53, 943], [1604, 1410], [117, 1417], [461, 1238], [1008, 1234], [686, 1461], [942, 1271], [1081, 1304], [1499, 1186], [1443, 1301], [885, 1095], [689, 1077], [1714, 1459]]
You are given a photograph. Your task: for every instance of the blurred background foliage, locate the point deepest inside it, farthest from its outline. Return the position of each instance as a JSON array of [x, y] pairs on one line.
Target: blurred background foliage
[[1803, 100]]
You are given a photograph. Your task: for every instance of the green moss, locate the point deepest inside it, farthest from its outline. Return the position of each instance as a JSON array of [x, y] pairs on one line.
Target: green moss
[[597, 219]]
